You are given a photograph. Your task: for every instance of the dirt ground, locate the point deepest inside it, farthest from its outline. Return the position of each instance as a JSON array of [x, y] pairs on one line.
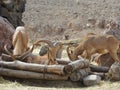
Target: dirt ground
[[54, 85], [50, 19]]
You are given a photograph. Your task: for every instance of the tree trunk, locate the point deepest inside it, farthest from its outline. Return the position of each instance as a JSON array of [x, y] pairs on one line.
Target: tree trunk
[[30, 75], [95, 68], [78, 75], [56, 69], [78, 64]]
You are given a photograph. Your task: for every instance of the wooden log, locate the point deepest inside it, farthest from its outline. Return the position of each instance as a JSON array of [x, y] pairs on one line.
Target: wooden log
[[56, 69], [95, 68], [63, 62], [78, 75], [30, 75], [75, 65]]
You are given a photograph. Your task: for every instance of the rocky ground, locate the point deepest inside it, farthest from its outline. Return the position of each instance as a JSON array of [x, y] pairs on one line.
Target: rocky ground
[[56, 19]]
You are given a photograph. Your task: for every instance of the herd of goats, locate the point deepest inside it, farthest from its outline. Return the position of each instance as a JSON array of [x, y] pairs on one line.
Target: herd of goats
[[90, 44]]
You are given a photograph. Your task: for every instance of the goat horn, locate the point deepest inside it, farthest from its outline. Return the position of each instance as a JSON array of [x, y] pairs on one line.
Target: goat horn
[[68, 50], [45, 41], [8, 52], [71, 43], [24, 55]]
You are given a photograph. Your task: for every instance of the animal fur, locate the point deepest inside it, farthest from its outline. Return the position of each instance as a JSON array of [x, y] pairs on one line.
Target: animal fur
[[20, 41], [92, 44]]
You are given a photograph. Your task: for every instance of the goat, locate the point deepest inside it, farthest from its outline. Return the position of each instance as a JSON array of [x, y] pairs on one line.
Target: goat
[[92, 44]]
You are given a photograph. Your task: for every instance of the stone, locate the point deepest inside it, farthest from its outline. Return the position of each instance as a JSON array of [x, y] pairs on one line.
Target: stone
[[43, 50], [12, 10], [101, 24], [75, 24], [91, 23], [114, 71], [6, 32], [113, 28], [78, 75], [103, 59], [91, 80]]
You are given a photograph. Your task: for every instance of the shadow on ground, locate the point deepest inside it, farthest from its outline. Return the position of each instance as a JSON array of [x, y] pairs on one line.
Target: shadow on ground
[[46, 83]]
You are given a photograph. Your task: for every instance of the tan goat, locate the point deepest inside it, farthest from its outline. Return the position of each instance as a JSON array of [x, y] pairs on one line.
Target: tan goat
[[92, 44], [20, 41], [48, 58]]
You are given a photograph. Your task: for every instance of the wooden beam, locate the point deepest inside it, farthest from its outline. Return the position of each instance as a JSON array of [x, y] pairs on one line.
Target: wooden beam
[[95, 68], [76, 65], [30, 75], [56, 69]]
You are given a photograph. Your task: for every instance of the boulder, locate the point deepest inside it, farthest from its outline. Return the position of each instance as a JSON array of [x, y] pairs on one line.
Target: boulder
[[114, 72], [6, 32], [12, 10], [91, 80], [113, 28], [101, 24], [75, 24], [78, 75], [103, 60], [91, 23]]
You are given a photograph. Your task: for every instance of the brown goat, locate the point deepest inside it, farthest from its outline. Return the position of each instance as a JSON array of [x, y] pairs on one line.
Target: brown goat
[[48, 58], [92, 44], [20, 41]]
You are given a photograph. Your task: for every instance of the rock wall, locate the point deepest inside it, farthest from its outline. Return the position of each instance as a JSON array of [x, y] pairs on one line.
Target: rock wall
[[10, 17], [6, 32], [12, 10]]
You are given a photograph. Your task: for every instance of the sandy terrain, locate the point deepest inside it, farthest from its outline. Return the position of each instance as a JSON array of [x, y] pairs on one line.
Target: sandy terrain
[[50, 18]]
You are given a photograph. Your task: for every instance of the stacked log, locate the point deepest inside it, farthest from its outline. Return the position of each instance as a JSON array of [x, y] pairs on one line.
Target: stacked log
[[95, 68], [78, 75], [32, 71], [30, 75], [50, 72], [76, 65], [56, 69], [77, 70]]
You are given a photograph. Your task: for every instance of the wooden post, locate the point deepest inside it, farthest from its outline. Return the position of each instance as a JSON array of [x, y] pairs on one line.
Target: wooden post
[[78, 64], [78, 75], [30, 75], [95, 68], [56, 69]]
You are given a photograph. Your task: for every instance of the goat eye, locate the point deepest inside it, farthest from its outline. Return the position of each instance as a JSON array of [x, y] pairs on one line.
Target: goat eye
[[71, 51]]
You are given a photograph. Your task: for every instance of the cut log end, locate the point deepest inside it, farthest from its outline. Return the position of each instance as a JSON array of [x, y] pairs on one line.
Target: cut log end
[[68, 69]]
